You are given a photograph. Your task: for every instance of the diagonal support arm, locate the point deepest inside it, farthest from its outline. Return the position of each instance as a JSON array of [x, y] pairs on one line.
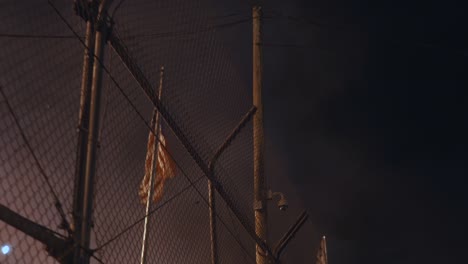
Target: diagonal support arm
[[232, 136], [283, 242], [137, 73], [59, 248]]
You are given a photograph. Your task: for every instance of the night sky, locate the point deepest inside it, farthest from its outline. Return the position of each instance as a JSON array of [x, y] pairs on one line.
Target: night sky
[[367, 102]]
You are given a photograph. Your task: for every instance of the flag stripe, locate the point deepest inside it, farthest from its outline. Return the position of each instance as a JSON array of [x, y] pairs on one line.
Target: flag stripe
[[165, 169]]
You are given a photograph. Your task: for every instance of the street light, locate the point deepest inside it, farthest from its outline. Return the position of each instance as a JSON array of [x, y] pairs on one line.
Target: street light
[[6, 249]]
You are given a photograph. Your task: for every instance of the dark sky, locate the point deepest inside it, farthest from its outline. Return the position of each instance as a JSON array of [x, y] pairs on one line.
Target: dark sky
[[367, 102]]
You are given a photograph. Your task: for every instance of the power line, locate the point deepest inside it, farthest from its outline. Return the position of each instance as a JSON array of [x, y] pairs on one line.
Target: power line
[[276, 15], [33, 36], [307, 21], [167, 34], [180, 33]]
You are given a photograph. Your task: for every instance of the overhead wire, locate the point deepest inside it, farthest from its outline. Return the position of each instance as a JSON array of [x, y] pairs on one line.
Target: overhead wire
[[167, 34], [35, 36], [191, 32], [275, 16]]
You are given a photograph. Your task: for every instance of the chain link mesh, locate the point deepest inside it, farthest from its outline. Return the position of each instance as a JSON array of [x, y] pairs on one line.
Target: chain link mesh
[[40, 77], [205, 91]]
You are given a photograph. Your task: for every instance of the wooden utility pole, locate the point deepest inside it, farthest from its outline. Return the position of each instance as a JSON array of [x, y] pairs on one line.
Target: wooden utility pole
[[258, 139], [157, 130]]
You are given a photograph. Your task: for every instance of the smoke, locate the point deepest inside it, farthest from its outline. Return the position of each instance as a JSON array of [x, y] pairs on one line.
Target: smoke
[[369, 121]]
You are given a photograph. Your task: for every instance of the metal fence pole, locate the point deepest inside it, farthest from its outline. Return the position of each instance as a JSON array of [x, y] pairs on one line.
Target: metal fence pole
[[83, 126], [90, 170], [213, 229]]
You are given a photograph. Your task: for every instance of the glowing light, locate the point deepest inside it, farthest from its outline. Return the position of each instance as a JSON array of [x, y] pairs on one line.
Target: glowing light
[[6, 249]]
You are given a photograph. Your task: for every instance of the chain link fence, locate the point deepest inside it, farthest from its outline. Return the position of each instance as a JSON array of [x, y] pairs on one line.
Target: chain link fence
[[202, 48]]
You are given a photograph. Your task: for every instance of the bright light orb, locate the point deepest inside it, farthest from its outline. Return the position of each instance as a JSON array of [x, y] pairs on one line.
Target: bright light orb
[[6, 249]]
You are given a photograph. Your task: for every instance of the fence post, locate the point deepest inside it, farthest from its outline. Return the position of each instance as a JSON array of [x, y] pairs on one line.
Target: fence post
[[213, 228], [90, 168], [83, 127]]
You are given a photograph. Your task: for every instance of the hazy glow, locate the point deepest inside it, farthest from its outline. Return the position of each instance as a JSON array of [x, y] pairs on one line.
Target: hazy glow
[[6, 249]]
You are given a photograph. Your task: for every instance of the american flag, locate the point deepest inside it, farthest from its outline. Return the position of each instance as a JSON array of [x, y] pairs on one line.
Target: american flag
[[165, 166]]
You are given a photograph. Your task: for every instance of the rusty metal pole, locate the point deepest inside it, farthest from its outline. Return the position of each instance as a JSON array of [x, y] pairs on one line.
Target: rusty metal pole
[[90, 169], [83, 126], [260, 205], [157, 130]]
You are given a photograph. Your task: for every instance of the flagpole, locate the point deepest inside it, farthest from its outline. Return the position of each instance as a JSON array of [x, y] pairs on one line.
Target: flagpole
[[157, 131]]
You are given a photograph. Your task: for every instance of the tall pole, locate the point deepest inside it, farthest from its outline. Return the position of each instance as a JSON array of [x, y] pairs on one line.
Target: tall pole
[[90, 169], [83, 126], [153, 169], [213, 229], [258, 140]]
